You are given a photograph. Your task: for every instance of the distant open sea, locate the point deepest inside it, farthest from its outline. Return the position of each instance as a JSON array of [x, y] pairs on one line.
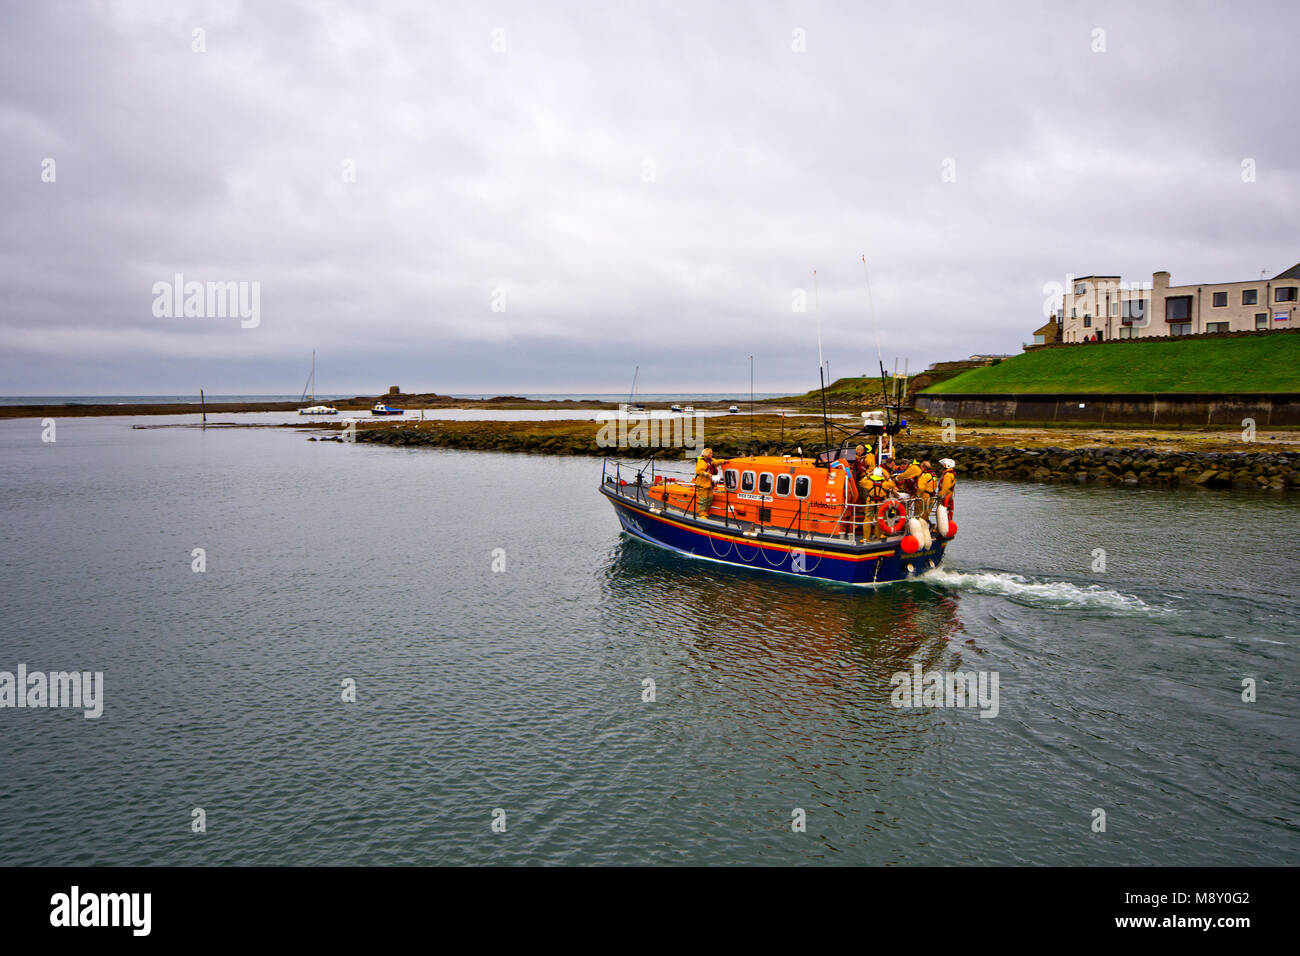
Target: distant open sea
[[537, 396]]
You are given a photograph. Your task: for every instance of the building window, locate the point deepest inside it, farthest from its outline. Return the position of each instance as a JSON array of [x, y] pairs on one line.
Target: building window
[[1220, 300], [1261, 320], [747, 481], [1126, 331], [1114, 308], [1081, 288], [1135, 309], [1249, 296], [1074, 313], [1181, 328], [1285, 294], [1216, 327], [765, 483], [1040, 340], [802, 486], [1178, 308], [783, 486], [1087, 321]]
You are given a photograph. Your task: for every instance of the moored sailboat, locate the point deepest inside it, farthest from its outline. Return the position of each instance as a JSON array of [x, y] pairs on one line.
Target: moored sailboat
[[309, 395]]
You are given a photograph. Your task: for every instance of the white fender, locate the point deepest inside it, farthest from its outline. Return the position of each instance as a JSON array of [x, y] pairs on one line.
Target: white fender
[[942, 522], [917, 529]]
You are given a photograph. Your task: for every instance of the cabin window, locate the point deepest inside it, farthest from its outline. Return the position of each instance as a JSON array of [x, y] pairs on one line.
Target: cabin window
[[802, 486], [731, 475], [783, 486], [765, 483], [747, 481]]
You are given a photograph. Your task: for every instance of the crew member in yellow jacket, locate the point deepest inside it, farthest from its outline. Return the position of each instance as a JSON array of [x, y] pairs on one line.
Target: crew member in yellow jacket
[[876, 487], [947, 480], [925, 487], [705, 469]]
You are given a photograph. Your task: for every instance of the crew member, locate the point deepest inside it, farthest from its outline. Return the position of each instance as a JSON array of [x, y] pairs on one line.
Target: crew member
[[876, 487], [906, 479], [925, 488], [705, 469], [948, 479], [864, 463]]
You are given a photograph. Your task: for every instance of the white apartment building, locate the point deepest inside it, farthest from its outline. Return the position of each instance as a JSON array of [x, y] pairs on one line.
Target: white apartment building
[[1106, 307]]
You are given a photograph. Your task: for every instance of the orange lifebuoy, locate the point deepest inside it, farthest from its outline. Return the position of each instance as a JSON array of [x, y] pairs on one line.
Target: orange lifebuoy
[[895, 507]]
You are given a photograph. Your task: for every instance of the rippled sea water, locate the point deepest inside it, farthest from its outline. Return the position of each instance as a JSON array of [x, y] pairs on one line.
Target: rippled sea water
[[522, 689]]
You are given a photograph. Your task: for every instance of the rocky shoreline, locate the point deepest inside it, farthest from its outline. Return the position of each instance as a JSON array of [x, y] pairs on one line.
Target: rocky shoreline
[[1271, 470], [1275, 470]]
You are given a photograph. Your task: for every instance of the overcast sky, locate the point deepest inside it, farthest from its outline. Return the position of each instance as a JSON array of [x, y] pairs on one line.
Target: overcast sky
[[537, 197]]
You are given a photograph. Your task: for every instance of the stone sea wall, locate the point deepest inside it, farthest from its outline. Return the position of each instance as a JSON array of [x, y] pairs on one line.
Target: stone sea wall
[[1278, 471]]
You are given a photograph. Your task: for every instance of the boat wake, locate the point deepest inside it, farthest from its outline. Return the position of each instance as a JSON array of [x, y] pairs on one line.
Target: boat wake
[[1046, 594]]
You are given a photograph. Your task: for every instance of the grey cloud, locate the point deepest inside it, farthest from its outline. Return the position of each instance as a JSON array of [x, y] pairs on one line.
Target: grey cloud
[[523, 171]]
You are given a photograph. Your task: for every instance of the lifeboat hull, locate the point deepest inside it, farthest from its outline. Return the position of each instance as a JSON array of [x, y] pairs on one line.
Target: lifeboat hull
[[878, 562]]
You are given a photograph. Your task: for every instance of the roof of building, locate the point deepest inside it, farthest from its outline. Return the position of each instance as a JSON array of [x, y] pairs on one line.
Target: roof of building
[[1048, 326], [1292, 273]]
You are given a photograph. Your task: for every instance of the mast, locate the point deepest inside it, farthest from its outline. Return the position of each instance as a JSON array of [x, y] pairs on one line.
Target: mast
[[311, 381]]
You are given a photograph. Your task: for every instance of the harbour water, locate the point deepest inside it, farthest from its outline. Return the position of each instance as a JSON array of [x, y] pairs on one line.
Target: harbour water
[[500, 633]]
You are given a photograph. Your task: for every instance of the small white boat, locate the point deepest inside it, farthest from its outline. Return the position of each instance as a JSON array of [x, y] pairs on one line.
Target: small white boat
[[688, 410], [733, 408], [674, 408], [309, 395]]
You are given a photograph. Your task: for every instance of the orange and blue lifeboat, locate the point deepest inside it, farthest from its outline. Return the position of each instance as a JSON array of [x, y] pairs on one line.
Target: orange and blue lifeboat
[[792, 515]]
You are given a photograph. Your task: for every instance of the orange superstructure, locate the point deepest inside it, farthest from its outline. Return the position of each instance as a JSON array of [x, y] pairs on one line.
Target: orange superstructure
[[773, 490]]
